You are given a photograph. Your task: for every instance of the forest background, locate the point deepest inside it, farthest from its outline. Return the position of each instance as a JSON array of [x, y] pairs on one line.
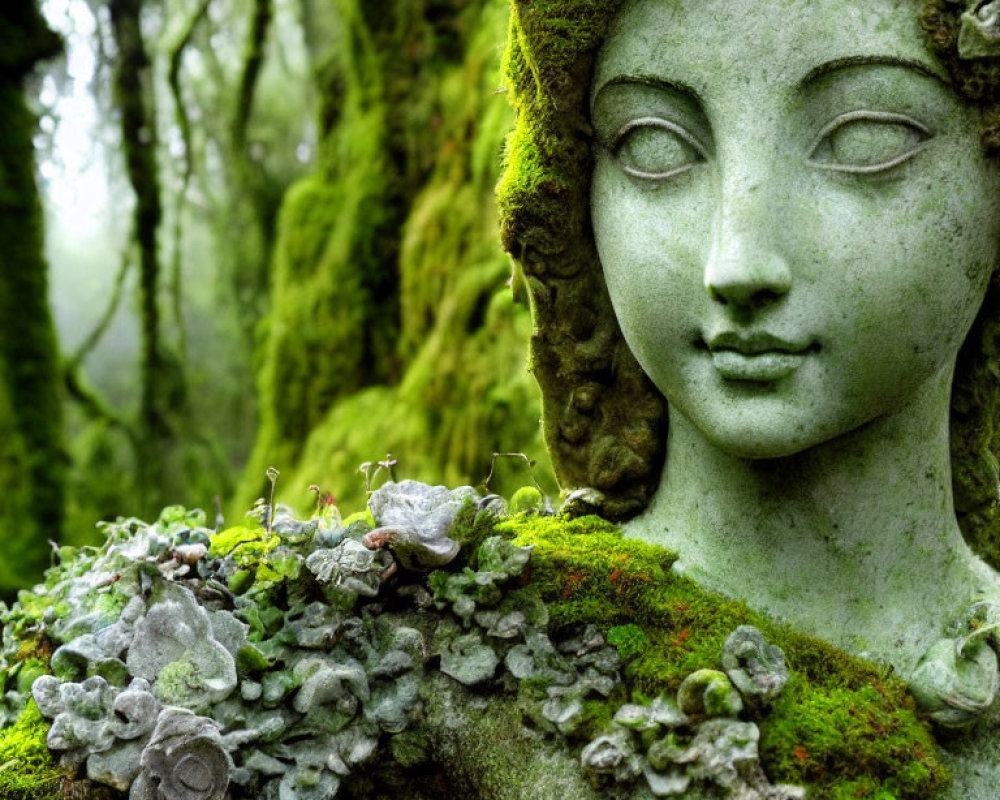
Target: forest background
[[242, 234]]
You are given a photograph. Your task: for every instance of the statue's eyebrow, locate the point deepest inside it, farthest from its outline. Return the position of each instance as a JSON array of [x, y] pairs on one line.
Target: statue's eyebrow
[[891, 61], [649, 80]]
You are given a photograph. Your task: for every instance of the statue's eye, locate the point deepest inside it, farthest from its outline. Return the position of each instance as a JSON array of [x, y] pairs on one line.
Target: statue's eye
[[866, 142], [655, 149]]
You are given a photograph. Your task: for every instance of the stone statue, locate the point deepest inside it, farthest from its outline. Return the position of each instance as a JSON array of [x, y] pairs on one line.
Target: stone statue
[[774, 226], [752, 337]]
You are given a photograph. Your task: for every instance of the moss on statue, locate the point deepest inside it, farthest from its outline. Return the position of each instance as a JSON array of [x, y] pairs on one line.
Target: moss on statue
[[843, 727], [605, 423], [392, 328]]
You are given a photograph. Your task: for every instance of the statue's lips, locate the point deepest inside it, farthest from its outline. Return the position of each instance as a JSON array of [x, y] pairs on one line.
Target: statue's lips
[[759, 357]]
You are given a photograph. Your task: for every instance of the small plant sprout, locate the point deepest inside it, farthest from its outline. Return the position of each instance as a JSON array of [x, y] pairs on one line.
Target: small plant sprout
[[326, 503], [220, 520], [272, 476], [389, 465], [371, 471], [529, 462], [366, 470]]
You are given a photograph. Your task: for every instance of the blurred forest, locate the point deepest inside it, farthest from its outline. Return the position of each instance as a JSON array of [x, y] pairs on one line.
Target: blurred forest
[[248, 233]]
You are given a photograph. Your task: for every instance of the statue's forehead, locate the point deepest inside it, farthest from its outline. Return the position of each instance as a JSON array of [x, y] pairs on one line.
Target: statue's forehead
[[694, 42]]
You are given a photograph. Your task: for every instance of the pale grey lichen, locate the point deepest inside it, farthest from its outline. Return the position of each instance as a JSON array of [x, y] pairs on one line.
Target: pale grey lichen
[[319, 627], [956, 682], [300, 695], [709, 692], [99, 653], [471, 592], [979, 31], [610, 754], [184, 760], [414, 520], [663, 712], [341, 683], [537, 659], [176, 650], [582, 501], [99, 724], [693, 745], [468, 660], [135, 710], [756, 668], [351, 567], [288, 682], [80, 713]]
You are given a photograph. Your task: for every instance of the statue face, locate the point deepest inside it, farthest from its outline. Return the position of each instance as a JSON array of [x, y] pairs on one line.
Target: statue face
[[794, 216]]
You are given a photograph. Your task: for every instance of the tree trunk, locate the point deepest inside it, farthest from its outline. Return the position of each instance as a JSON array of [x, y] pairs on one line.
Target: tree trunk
[[162, 393], [32, 458]]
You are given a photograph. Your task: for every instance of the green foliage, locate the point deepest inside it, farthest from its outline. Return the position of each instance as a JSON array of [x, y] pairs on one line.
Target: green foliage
[[849, 737], [842, 727], [252, 541], [177, 681], [527, 498], [391, 326]]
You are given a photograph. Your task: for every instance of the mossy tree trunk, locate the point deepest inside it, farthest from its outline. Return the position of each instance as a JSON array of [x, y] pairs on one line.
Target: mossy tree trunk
[[247, 219], [31, 452], [390, 326], [249, 278], [162, 393]]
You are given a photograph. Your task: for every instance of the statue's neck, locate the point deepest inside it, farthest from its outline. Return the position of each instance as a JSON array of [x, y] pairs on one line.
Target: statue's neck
[[854, 541]]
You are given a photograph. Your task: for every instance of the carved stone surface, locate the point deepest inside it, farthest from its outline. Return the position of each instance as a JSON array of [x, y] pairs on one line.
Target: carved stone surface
[[745, 162]]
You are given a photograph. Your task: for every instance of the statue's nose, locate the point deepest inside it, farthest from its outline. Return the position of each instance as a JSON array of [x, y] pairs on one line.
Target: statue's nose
[[745, 266]]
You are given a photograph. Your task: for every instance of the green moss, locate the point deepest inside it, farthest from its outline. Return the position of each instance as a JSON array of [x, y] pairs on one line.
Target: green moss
[[604, 422], [176, 683], [28, 771], [839, 736], [394, 330], [251, 541], [527, 498], [410, 748], [30, 668], [629, 640], [841, 720]]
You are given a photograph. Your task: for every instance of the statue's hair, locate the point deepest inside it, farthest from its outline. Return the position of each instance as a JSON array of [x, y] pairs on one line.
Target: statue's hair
[[604, 421]]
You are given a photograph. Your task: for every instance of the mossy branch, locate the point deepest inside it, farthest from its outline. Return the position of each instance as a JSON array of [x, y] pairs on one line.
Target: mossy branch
[[75, 361], [93, 405], [176, 56], [162, 384], [253, 60]]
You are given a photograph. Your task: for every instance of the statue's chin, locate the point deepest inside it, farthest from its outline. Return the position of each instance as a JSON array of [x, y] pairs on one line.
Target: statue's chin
[[770, 432]]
